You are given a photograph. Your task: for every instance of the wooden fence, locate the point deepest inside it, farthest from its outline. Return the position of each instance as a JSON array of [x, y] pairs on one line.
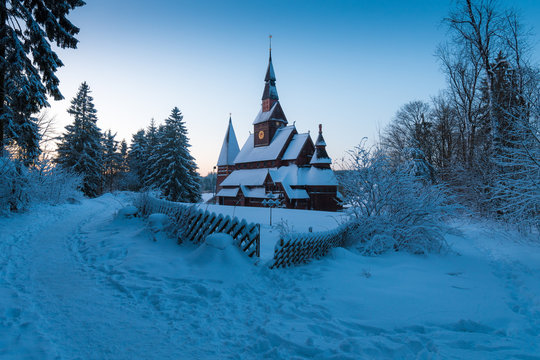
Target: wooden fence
[[194, 224], [300, 248]]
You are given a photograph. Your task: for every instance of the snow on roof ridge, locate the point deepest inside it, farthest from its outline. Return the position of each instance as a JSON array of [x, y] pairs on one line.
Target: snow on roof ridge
[[295, 146], [250, 153], [263, 116]]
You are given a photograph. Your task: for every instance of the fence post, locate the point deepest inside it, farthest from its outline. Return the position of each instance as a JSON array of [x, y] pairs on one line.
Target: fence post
[[258, 240]]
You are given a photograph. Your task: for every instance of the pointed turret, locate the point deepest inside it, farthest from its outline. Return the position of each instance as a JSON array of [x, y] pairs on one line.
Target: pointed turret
[[228, 153], [320, 156], [230, 148]]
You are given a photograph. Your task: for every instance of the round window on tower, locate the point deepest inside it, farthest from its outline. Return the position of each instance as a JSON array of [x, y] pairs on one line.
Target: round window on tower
[[261, 135]]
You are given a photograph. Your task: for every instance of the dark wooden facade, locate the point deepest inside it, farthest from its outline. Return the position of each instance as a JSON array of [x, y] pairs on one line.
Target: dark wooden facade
[[276, 159]]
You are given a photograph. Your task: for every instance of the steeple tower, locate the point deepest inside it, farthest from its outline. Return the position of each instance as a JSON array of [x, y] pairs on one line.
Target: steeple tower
[[320, 157], [270, 95], [271, 116]]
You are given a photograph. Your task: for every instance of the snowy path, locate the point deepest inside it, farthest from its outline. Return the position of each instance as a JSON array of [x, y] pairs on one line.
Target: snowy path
[[73, 308], [76, 282]]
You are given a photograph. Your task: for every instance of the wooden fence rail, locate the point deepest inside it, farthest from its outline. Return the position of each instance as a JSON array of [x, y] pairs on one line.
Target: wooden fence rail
[[194, 224], [300, 248]]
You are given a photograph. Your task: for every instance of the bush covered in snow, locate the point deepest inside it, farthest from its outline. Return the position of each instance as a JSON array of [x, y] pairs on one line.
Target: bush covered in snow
[[52, 184], [40, 183], [13, 180], [392, 207]]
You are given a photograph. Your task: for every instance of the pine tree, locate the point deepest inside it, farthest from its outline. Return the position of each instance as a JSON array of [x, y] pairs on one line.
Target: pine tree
[[123, 156], [137, 160], [112, 160], [80, 149], [174, 171], [28, 65], [152, 142]]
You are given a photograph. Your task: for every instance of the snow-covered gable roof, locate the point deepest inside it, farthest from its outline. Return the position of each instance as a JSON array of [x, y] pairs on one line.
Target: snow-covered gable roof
[[229, 149], [250, 153], [295, 146], [316, 177], [228, 192], [275, 113], [293, 175], [257, 192], [249, 177], [295, 193], [263, 116]]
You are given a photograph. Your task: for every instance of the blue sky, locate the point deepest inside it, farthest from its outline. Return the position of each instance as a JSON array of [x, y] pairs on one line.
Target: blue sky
[[346, 64]]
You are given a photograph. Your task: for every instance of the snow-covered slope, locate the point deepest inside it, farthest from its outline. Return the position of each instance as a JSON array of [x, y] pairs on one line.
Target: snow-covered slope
[[77, 281]]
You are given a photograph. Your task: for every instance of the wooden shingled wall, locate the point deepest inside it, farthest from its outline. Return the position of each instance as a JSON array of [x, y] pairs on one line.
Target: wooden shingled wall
[[194, 224]]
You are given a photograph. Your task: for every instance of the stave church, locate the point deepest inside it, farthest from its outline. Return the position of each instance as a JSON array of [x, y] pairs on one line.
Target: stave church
[[276, 162]]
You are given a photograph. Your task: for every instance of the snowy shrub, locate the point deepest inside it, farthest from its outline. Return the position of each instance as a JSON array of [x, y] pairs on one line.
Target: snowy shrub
[[52, 184], [41, 183], [13, 180], [392, 207], [284, 227]]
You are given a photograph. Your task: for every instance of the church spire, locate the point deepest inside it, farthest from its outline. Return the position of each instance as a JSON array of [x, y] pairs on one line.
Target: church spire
[[270, 95], [230, 148]]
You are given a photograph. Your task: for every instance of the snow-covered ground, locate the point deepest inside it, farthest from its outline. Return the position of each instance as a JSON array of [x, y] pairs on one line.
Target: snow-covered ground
[[80, 282], [288, 219]]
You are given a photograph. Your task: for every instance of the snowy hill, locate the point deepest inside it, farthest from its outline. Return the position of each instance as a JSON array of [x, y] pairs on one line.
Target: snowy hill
[[80, 281]]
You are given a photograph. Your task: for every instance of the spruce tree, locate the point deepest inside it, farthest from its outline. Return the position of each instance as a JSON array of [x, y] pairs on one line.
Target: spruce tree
[[112, 160], [80, 149], [150, 150], [174, 169], [137, 159], [123, 156], [28, 65]]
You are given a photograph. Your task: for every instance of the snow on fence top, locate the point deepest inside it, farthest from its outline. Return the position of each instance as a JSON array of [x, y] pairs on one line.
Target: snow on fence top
[[300, 248], [195, 225]]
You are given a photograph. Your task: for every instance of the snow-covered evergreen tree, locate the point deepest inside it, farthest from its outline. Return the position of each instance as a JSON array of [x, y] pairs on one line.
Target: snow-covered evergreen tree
[[123, 156], [112, 160], [28, 65], [137, 160], [149, 152], [174, 170], [80, 149]]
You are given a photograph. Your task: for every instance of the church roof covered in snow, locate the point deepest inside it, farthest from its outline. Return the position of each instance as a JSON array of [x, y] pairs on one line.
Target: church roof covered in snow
[[229, 149], [251, 177], [291, 175], [250, 153], [275, 113], [295, 146], [303, 176], [228, 192]]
